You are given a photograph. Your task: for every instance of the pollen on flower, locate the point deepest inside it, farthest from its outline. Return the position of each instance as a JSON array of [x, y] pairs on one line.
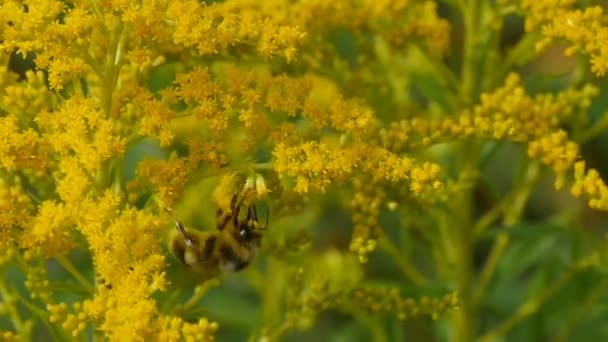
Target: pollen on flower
[[224, 190]]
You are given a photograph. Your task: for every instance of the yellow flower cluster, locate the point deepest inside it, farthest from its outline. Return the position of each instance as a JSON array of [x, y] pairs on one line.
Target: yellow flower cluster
[[557, 151], [9, 336], [580, 27], [129, 263], [175, 329], [210, 152], [381, 300], [165, 177], [146, 115], [64, 129], [16, 208], [226, 187], [26, 98], [21, 149], [589, 183], [506, 113], [37, 282], [321, 285], [314, 165], [49, 231], [141, 322], [365, 212], [204, 97], [395, 21], [57, 44], [79, 128], [331, 281], [78, 43], [215, 28]]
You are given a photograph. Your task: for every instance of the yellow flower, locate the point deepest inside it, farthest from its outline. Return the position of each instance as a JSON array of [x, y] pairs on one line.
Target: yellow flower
[[80, 128], [49, 231], [16, 208], [166, 177], [581, 27], [20, 149], [223, 192], [313, 164], [211, 29], [590, 184]]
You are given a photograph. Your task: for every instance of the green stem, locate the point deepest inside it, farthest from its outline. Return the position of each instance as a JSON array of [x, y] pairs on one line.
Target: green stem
[[170, 301], [403, 263], [94, 64], [97, 11], [512, 215], [22, 327], [490, 216], [42, 315], [199, 293], [117, 169], [278, 332], [591, 299], [270, 311], [598, 128], [515, 56], [532, 305], [374, 325], [462, 239], [71, 269], [451, 80], [462, 233], [113, 62], [469, 75]]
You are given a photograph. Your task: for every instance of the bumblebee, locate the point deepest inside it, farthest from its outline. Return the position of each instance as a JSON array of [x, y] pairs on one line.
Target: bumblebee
[[230, 248]]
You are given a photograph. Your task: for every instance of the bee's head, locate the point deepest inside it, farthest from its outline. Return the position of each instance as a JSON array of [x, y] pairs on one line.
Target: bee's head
[[248, 231], [249, 234]]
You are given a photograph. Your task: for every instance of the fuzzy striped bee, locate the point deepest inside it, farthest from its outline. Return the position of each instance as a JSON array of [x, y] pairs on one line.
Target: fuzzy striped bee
[[230, 248]]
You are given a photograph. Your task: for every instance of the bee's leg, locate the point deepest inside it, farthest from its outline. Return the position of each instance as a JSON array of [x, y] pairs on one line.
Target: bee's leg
[[267, 216], [254, 212], [236, 209], [255, 217], [233, 202], [222, 217], [252, 217]]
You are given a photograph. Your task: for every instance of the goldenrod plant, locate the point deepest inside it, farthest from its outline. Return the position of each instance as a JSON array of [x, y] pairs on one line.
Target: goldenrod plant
[[303, 170]]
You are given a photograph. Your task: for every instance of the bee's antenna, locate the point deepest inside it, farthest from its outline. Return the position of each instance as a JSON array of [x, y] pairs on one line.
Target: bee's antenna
[[180, 228]]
